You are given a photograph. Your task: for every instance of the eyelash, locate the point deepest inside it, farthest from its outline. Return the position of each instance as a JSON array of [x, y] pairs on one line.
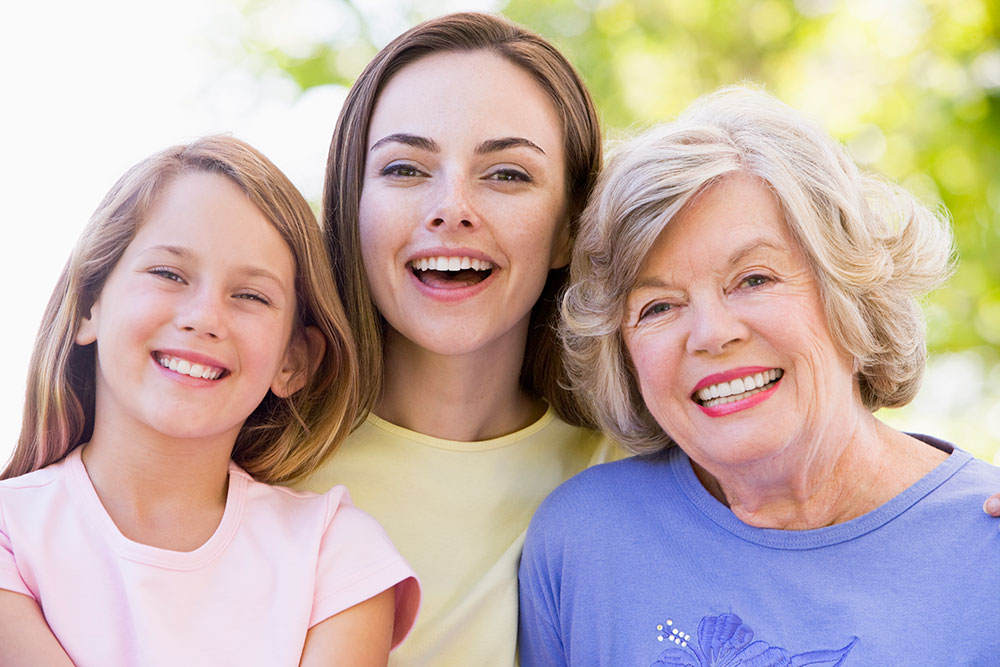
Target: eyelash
[[395, 168], [252, 296], [654, 309], [756, 277], [166, 274], [509, 175]]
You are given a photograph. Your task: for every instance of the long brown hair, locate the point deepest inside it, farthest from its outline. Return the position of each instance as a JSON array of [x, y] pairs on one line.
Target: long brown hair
[[284, 437], [542, 372]]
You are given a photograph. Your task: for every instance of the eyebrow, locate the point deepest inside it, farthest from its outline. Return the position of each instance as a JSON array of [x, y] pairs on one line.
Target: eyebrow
[[494, 145], [422, 143], [738, 255], [426, 144]]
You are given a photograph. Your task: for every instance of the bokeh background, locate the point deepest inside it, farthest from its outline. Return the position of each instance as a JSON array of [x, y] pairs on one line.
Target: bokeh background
[[912, 87]]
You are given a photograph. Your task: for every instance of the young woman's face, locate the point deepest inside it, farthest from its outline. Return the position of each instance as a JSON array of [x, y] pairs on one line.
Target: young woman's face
[[463, 209], [193, 323]]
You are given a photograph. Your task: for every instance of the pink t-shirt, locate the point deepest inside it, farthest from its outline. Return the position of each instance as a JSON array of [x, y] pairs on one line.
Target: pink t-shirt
[[280, 562]]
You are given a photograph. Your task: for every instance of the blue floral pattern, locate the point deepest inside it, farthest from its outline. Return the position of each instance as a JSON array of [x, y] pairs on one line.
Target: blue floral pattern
[[724, 641]]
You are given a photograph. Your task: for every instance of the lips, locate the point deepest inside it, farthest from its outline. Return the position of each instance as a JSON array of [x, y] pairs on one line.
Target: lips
[[451, 271], [738, 388]]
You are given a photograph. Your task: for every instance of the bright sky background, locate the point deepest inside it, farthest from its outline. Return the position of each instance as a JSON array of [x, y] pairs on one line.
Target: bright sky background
[[90, 88]]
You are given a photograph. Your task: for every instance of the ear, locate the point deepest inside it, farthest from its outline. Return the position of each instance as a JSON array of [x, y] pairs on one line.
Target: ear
[[86, 331], [561, 246], [302, 358]]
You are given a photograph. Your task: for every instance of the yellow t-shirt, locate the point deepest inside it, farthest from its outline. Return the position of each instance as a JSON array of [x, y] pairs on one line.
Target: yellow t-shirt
[[458, 512]]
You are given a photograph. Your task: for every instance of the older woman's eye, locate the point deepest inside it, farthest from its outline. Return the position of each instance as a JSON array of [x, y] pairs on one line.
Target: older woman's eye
[[755, 280], [653, 310]]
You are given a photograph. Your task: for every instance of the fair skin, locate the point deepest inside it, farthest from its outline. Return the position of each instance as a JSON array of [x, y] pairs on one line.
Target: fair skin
[[465, 162], [726, 293], [193, 327]]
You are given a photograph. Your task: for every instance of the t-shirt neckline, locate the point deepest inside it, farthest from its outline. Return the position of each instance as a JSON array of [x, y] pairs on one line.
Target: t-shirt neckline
[[817, 537], [83, 488], [461, 445]]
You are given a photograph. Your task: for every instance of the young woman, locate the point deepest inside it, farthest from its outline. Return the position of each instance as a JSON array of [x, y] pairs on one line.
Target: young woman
[[459, 164]]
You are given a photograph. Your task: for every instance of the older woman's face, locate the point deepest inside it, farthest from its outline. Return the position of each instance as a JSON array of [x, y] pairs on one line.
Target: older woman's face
[[727, 333]]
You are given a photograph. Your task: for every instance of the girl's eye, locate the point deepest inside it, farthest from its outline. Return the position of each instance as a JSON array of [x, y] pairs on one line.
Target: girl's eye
[[508, 174], [168, 274], [654, 309], [400, 170], [254, 296]]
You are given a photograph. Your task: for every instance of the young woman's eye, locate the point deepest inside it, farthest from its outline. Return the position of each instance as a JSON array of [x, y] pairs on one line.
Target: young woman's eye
[[400, 170], [510, 175], [654, 309], [167, 274]]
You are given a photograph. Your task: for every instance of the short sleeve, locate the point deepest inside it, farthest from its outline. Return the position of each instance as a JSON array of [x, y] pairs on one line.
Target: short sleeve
[[357, 562], [10, 576]]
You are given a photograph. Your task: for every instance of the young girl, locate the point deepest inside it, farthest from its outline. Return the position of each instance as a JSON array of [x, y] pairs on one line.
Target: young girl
[[193, 348]]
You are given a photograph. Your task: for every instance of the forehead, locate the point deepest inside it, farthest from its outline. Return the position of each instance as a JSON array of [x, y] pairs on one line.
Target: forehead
[[209, 212], [731, 217], [464, 96]]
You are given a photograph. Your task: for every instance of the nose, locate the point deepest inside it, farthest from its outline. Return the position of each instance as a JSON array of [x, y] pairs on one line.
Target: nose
[[202, 314], [715, 328], [453, 206]]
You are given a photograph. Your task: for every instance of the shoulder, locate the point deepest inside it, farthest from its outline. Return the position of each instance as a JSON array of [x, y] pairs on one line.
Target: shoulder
[[291, 506], [36, 479], [601, 494], [33, 488]]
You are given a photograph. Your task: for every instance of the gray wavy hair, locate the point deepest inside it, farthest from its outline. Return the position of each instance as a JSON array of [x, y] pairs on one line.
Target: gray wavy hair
[[872, 246]]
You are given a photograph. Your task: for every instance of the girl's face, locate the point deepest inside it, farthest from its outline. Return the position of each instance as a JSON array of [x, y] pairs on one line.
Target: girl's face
[[194, 322], [463, 208]]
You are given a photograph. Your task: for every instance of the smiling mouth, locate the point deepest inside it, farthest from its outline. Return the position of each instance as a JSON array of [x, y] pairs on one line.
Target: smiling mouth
[[451, 272], [185, 367], [737, 390]]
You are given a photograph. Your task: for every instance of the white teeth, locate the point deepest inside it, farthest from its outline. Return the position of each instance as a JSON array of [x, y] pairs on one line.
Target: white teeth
[[185, 367], [450, 264], [734, 390]]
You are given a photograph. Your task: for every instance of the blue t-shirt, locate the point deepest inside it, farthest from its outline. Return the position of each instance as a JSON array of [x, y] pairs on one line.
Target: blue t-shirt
[[634, 563]]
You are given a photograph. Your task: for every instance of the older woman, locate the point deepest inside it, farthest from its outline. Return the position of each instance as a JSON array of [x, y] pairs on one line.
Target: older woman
[[741, 291]]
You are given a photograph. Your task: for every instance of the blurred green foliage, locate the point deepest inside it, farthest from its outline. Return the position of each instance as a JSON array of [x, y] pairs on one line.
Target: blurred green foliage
[[912, 87]]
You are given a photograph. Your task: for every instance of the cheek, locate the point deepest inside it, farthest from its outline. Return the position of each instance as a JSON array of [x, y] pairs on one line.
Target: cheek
[[656, 371]]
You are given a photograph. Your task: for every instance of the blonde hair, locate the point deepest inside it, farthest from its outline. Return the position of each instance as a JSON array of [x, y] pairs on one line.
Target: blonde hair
[[542, 372], [872, 246], [284, 437]]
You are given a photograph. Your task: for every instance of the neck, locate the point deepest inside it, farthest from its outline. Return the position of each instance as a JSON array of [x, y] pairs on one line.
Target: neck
[[464, 397], [842, 476], [162, 491]]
